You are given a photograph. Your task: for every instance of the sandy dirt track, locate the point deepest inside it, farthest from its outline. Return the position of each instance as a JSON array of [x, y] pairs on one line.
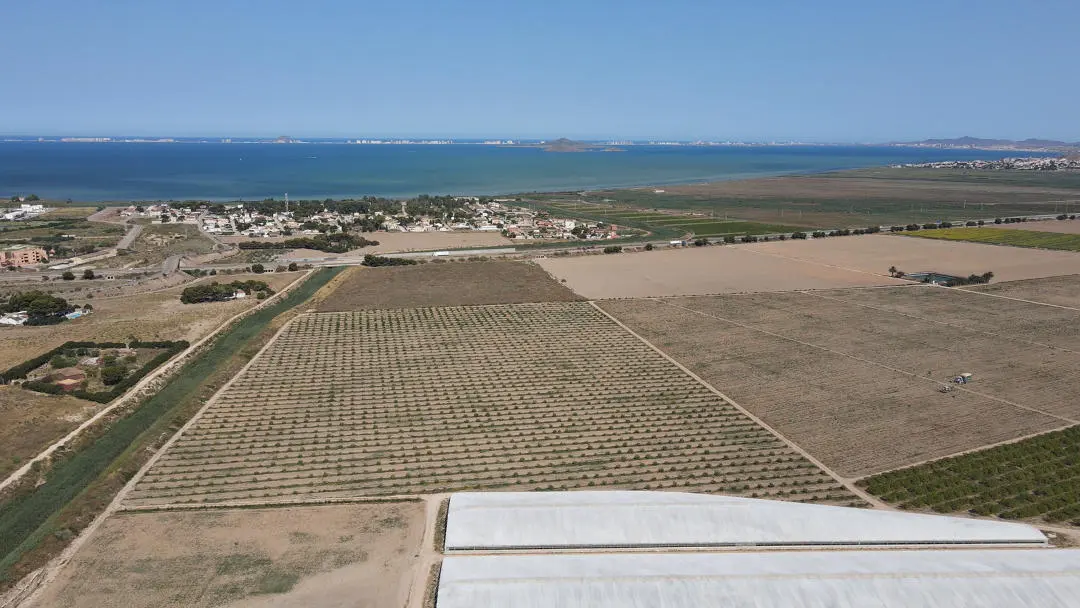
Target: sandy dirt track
[[327, 556], [796, 265]]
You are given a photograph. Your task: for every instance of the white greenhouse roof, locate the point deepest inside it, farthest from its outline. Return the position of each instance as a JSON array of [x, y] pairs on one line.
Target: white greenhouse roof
[[778, 579], [484, 521]]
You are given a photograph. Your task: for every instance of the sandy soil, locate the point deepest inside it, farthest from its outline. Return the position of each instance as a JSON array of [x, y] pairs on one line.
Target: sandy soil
[[852, 375], [446, 284], [327, 556], [148, 316], [1061, 291], [32, 421], [876, 253], [700, 270], [1059, 226]]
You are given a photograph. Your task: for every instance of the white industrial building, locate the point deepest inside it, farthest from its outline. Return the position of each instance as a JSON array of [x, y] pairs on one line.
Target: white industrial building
[[667, 549]]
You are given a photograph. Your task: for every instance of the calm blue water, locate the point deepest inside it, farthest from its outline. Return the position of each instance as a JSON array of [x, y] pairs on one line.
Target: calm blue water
[[119, 171]]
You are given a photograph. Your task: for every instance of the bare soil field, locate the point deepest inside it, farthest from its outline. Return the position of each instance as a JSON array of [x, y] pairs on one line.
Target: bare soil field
[[875, 253], [30, 422], [446, 284], [147, 316], [853, 381], [702, 271], [420, 401], [1060, 291], [1058, 226], [327, 556], [159, 241]]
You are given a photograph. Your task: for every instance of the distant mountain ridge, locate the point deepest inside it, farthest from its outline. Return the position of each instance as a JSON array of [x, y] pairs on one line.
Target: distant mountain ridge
[[1030, 144]]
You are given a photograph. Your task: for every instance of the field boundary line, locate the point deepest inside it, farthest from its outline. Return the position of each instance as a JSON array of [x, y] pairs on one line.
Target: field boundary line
[[834, 266], [978, 331], [267, 504], [53, 568], [170, 366], [841, 480], [994, 295], [966, 452], [874, 363]]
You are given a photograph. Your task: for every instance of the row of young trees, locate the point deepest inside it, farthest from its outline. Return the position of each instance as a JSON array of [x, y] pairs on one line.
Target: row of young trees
[[329, 243]]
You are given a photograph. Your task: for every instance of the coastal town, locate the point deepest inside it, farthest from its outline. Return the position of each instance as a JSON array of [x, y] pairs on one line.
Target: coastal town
[[1006, 164]]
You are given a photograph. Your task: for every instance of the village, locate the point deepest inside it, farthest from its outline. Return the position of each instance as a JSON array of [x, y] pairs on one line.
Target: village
[[479, 215]]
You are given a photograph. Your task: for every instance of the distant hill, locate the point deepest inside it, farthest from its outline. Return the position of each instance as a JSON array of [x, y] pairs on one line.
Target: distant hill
[[1031, 144], [567, 145]]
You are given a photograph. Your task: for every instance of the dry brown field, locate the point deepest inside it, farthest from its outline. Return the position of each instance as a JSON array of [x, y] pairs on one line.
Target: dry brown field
[[30, 422], [446, 284], [159, 241], [877, 252], [701, 271], [852, 375], [1059, 226], [63, 213], [1059, 291], [147, 316], [421, 401], [328, 556]]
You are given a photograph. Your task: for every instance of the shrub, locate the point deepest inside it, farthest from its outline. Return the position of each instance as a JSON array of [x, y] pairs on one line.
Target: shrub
[[912, 227], [258, 268], [612, 249], [88, 274], [798, 235], [68, 275], [113, 374], [376, 261], [292, 266], [896, 229], [61, 361], [648, 246]]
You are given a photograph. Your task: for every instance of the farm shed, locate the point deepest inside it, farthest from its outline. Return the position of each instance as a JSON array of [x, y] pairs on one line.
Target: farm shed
[[491, 521], [779, 579]]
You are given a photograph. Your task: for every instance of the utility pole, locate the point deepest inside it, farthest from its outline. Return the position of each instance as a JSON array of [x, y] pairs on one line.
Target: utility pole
[[286, 202]]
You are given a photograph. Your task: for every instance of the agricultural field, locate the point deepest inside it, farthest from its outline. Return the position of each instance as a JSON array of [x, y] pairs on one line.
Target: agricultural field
[[881, 195], [1064, 241], [1035, 478], [672, 224], [1061, 226], [67, 213], [1060, 291], [446, 284], [853, 375], [526, 397], [875, 253], [330, 555], [701, 271]]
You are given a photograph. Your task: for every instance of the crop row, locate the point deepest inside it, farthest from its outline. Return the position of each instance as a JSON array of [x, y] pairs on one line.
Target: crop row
[[531, 396], [1035, 478]]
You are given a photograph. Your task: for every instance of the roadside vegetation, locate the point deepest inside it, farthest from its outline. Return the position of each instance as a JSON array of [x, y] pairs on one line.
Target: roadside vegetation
[[220, 292], [329, 243], [39, 520]]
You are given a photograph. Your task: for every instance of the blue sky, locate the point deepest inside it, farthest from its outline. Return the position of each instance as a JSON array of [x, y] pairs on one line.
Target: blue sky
[[756, 70]]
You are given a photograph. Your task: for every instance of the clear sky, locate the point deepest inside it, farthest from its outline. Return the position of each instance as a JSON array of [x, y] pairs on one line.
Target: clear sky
[[824, 70]]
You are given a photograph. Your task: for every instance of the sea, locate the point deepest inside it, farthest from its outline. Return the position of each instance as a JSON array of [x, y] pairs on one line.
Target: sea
[[101, 172]]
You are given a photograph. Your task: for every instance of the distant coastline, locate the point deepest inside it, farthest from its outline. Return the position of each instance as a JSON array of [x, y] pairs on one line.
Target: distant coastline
[[124, 172]]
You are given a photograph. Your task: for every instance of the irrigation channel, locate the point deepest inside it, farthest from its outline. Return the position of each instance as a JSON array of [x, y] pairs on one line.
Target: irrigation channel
[[26, 519]]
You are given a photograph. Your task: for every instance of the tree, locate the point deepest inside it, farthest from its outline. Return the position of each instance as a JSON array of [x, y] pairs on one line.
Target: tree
[[292, 266], [257, 268], [68, 275], [88, 274], [892, 271], [648, 246], [986, 276], [113, 374]]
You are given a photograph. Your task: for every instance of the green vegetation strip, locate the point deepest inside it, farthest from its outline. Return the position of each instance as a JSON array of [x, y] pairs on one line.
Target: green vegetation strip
[[1003, 236], [1037, 477], [24, 520]]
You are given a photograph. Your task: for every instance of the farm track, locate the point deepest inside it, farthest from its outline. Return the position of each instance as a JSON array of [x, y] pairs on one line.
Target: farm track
[[423, 401]]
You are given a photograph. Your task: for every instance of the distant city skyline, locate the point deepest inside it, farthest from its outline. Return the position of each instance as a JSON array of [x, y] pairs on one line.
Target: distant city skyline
[[838, 71]]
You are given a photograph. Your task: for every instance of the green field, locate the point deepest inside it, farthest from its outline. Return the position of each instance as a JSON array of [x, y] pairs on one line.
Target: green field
[[659, 225], [1037, 477], [852, 199], [1001, 236]]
